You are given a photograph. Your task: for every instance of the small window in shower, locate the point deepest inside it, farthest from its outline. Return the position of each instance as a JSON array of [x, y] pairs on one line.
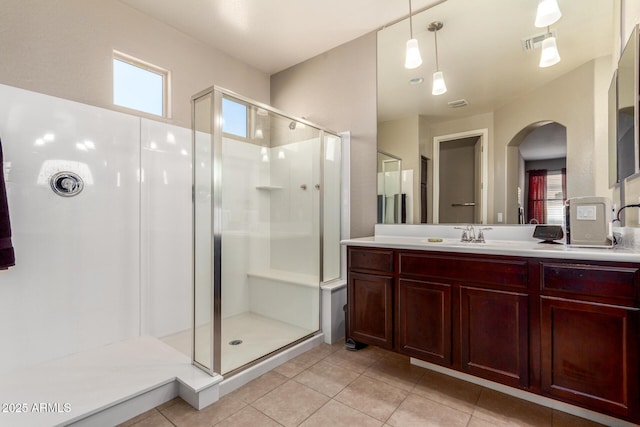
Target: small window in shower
[[235, 118], [139, 85]]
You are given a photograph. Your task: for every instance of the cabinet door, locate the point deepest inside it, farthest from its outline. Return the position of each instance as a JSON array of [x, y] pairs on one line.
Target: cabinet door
[[590, 355], [495, 335], [370, 307], [424, 320]]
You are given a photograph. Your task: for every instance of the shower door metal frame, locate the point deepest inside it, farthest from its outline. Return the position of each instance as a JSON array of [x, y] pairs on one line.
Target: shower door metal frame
[[215, 243], [216, 201]]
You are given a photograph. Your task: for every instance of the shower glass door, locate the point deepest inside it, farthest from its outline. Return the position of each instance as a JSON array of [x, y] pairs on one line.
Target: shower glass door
[[270, 197]]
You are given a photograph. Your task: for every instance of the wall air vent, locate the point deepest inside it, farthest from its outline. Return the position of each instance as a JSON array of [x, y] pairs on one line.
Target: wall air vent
[[458, 103], [535, 41]]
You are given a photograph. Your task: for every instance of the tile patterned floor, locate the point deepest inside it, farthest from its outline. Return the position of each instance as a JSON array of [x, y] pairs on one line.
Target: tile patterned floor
[[329, 386]]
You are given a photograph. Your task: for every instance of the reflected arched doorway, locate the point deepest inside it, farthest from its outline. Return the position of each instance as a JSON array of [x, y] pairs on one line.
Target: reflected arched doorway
[[536, 174]]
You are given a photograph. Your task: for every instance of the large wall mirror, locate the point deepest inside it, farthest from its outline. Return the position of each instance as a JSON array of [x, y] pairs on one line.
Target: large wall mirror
[[623, 105], [535, 121]]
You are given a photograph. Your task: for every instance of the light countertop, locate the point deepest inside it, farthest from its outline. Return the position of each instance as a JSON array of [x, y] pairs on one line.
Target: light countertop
[[502, 240]]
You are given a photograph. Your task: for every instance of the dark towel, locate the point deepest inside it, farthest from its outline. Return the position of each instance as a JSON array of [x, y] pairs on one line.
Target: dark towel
[[7, 256]]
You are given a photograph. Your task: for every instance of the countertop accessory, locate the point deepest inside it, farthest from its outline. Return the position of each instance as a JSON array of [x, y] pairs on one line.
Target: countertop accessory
[[548, 233]]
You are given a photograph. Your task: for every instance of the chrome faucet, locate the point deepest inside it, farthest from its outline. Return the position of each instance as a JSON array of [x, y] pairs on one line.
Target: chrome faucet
[[469, 234], [480, 238]]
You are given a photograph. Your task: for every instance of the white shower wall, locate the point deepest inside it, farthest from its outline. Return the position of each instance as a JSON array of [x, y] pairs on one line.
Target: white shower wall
[[295, 212], [166, 218], [110, 263], [269, 223], [245, 221]]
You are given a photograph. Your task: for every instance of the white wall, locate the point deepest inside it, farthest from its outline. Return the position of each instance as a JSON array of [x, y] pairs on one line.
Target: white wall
[[75, 283], [245, 221], [295, 211], [109, 279], [64, 48], [106, 265], [166, 228], [338, 90]]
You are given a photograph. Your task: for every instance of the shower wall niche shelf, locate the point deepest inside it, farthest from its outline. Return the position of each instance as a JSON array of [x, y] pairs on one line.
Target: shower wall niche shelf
[[269, 187]]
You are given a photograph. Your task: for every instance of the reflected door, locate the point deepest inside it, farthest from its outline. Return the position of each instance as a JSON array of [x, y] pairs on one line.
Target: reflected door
[[458, 178]]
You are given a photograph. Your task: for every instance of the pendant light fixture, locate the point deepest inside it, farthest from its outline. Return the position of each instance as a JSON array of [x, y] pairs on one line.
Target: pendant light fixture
[[412, 57], [549, 55], [439, 87], [548, 13]]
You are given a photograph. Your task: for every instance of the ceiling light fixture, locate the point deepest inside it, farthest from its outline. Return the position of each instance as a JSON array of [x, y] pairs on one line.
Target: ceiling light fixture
[[548, 13], [439, 87], [549, 55], [416, 81], [412, 57]]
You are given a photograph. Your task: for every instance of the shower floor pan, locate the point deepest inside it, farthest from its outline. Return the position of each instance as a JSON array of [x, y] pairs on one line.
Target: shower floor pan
[[260, 336]]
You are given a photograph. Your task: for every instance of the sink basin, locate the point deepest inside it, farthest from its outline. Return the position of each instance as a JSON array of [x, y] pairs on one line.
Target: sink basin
[[450, 242]]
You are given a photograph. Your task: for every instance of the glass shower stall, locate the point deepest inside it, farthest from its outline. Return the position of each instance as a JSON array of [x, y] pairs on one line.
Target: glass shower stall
[[266, 228]]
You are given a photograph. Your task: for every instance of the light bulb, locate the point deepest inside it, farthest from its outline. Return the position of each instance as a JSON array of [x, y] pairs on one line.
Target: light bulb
[[548, 13], [549, 55], [413, 58], [439, 87]]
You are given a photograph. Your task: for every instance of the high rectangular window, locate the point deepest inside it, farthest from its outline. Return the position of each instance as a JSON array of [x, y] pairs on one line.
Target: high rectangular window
[[139, 85], [234, 118]]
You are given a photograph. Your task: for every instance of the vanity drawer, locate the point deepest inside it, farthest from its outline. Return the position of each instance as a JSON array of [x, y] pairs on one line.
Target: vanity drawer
[[378, 260], [491, 271], [612, 282]]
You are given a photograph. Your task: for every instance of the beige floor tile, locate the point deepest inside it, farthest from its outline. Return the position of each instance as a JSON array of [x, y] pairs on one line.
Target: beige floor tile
[[139, 418], [291, 368], [335, 414], [318, 353], [298, 364], [291, 403], [372, 397], [386, 354], [326, 378], [183, 415], [155, 420], [397, 372], [338, 345], [357, 361], [479, 422], [562, 419], [257, 388], [248, 417], [418, 411], [449, 391], [169, 403], [503, 410]]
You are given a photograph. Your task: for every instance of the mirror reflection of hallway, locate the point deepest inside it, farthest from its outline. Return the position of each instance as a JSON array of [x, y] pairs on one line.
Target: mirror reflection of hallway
[[541, 163]]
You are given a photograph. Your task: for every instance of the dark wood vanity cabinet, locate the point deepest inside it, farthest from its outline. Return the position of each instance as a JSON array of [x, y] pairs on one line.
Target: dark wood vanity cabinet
[[423, 319], [589, 336], [465, 311], [370, 297], [495, 335], [565, 329]]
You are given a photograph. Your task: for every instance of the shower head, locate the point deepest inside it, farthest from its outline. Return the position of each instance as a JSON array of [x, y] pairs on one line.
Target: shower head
[[292, 125]]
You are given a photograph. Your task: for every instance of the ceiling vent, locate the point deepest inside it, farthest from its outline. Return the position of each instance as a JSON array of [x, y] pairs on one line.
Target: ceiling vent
[[458, 103], [535, 41]]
